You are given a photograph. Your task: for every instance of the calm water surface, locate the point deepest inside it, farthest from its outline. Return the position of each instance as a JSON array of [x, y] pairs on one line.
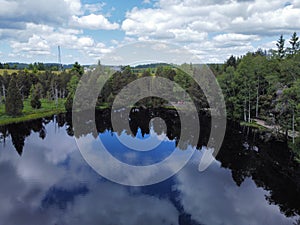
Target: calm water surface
[[45, 180]]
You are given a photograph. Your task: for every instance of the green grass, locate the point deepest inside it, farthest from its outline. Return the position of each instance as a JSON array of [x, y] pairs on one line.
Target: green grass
[[103, 106], [48, 108], [253, 125], [10, 71]]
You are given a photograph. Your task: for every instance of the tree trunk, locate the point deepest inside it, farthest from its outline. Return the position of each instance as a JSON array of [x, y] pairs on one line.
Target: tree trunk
[[257, 99], [245, 111], [249, 109], [293, 125], [3, 91], [56, 96]]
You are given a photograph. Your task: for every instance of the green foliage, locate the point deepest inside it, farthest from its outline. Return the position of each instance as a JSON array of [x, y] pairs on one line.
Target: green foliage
[[71, 87], [13, 103], [35, 97], [78, 69], [231, 62], [265, 87], [69, 103], [280, 47], [33, 84], [294, 43], [72, 84]]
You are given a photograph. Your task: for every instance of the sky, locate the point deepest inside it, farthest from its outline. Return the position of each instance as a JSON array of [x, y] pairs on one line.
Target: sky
[[87, 30]]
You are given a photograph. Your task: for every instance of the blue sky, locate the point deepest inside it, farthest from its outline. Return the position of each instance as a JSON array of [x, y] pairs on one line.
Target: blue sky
[[87, 30]]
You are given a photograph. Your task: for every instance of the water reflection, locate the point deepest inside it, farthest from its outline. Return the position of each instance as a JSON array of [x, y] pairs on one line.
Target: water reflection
[[52, 184]]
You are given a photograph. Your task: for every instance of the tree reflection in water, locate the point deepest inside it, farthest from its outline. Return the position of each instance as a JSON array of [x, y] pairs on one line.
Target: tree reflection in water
[[268, 164]]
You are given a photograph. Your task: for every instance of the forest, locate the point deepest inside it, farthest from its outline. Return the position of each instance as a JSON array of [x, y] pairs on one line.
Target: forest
[[261, 85], [265, 85]]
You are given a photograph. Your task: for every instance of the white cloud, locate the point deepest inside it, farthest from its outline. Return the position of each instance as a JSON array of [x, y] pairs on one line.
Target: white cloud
[[235, 37], [224, 26], [47, 38], [74, 6], [94, 22], [36, 28], [216, 28], [94, 8], [35, 45], [234, 40], [15, 13], [188, 35]]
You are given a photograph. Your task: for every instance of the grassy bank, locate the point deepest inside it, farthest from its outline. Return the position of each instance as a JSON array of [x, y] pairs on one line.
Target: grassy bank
[[48, 108]]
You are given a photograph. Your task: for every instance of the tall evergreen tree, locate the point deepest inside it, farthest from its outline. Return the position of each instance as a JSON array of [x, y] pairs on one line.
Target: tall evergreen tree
[[280, 47], [294, 43], [35, 97], [78, 68], [13, 103], [231, 62]]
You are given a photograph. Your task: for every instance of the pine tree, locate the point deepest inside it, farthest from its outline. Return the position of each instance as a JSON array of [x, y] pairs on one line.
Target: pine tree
[[13, 103], [78, 68], [231, 62], [35, 97], [280, 46], [294, 43]]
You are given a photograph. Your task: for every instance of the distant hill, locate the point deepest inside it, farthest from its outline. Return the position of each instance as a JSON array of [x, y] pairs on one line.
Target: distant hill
[[152, 65], [21, 66]]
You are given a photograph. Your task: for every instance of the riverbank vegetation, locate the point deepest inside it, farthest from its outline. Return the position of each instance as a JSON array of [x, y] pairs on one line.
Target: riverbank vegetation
[[261, 85], [265, 85], [29, 94]]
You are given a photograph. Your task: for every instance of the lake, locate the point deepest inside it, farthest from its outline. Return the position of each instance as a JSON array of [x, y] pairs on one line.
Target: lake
[[46, 180]]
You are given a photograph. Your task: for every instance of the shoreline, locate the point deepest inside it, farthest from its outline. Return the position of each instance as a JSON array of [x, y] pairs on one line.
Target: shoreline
[[262, 126], [8, 120], [48, 108]]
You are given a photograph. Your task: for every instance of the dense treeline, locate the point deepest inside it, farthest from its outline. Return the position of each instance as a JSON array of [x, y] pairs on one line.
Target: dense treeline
[[36, 66], [265, 85], [261, 84], [181, 75], [34, 85]]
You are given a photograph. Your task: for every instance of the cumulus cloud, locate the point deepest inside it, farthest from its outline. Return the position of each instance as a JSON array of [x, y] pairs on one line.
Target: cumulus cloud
[[233, 40], [223, 25], [94, 22], [214, 29], [94, 8], [40, 40], [34, 29], [18, 13], [35, 45]]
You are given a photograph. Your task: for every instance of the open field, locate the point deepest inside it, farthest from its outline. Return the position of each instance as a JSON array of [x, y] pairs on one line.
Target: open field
[[10, 71]]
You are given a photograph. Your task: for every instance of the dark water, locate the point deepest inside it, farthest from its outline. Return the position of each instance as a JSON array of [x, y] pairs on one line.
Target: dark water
[[45, 180]]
